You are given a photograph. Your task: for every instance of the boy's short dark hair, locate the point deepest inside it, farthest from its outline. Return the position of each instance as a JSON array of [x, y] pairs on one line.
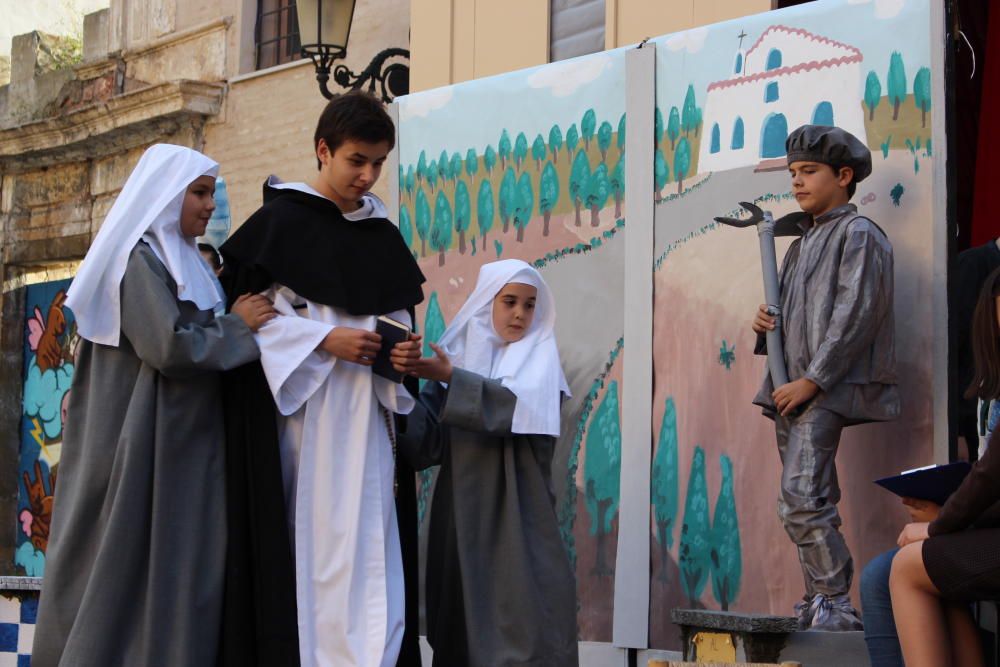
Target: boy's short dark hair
[[356, 116]]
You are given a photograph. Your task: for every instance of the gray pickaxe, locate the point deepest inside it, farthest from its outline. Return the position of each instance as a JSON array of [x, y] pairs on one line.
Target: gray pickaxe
[[767, 229]]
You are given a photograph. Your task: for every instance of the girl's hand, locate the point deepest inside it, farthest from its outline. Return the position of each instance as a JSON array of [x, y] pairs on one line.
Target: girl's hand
[[436, 368], [405, 355], [355, 345], [254, 310], [912, 532], [921, 511]]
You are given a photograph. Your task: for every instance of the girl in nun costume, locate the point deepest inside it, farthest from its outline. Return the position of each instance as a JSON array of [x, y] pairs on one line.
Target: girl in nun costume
[[134, 568], [500, 590]]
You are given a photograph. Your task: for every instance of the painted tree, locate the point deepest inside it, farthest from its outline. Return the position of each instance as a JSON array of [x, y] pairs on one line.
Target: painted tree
[[484, 210], [579, 175], [689, 112], [503, 148], [520, 150], [922, 93], [548, 195], [661, 174], [682, 162], [697, 120], [572, 141], [463, 213], [696, 536], [471, 163], [620, 138], [441, 229], [422, 220], [410, 181], [505, 202], [663, 492], [405, 226], [444, 167], [538, 152], [433, 324], [873, 93], [432, 174], [455, 166], [524, 204], [489, 159], [726, 556], [587, 126], [421, 167], [555, 141], [673, 127], [617, 184], [896, 82], [657, 126], [598, 190], [602, 471], [604, 133]]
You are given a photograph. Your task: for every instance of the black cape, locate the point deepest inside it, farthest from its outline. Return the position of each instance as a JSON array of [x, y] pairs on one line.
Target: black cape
[[305, 243]]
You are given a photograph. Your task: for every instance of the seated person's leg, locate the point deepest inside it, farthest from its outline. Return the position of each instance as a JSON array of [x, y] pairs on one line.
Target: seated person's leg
[[876, 611]]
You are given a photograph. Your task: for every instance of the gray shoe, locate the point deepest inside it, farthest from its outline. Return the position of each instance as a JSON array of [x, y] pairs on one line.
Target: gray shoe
[[804, 612], [834, 614]]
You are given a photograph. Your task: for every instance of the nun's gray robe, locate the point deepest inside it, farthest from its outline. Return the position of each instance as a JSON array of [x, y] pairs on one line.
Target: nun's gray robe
[[500, 590], [134, 568]]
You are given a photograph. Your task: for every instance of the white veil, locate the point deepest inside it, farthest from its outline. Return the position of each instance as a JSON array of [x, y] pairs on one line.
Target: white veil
[[149, 207], [530, 367]]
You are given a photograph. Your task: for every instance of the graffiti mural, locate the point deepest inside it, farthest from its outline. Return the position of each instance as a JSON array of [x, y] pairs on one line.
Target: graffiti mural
[[542, 180], [49, 344], [730, 93]]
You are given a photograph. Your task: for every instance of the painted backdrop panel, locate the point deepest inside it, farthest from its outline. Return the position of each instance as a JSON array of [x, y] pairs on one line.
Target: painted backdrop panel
[[49, 343], [529, 165], [727, 96]]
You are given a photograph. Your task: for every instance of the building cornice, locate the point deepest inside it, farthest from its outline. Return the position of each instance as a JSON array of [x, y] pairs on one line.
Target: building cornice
[[86, 131]]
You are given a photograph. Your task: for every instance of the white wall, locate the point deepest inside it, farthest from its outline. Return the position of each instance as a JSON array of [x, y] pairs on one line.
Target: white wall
[[799, 94]]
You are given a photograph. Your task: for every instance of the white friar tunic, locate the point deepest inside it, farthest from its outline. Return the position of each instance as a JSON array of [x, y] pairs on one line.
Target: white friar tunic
[[338, 470]]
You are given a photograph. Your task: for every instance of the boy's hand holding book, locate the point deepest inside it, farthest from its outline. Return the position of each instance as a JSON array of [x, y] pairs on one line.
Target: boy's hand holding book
[[355, 345]]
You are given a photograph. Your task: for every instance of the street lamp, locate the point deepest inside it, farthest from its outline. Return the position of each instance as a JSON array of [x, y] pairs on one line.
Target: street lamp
[[324, 27]]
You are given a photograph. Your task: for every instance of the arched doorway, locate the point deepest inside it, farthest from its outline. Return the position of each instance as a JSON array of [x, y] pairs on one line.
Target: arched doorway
[[773, 135], [823, 115]]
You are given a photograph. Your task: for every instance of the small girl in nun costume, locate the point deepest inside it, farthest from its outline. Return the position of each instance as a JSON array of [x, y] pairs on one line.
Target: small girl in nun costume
[[134, 568], [500, 590]]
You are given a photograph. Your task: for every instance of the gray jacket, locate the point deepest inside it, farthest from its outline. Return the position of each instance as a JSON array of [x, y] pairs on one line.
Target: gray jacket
[[838, 323]]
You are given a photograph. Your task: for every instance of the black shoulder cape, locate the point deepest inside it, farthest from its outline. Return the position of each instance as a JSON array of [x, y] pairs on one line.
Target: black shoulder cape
[[306, 244]]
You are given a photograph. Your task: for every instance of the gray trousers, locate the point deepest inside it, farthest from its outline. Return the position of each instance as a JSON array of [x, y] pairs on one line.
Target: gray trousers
[[807, 505]]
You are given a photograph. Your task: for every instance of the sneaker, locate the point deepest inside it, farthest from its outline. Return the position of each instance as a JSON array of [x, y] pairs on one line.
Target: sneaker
[[804, 612], [834, 614]]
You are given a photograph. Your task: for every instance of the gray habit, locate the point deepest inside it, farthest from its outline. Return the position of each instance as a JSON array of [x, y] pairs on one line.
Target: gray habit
[[134, 567], [500, 590], [839, 332]]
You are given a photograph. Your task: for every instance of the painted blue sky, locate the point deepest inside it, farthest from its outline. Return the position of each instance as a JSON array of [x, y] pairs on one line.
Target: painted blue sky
[[528, 101], [531, 100], [876, 27]]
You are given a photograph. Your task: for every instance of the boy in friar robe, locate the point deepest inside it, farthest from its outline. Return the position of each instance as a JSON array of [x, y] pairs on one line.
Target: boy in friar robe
[[839, 348], [316, 556]]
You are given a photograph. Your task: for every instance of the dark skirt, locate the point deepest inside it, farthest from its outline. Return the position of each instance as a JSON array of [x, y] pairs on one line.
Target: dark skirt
[[965, 566]]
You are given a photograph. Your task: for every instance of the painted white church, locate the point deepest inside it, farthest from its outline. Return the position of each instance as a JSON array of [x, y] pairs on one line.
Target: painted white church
[[789, 77]]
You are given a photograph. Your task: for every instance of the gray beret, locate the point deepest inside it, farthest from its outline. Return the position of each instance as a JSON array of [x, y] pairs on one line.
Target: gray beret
[[829, 145]]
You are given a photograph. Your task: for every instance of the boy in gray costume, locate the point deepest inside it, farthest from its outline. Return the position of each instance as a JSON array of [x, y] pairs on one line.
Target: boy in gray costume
[[837, 310]]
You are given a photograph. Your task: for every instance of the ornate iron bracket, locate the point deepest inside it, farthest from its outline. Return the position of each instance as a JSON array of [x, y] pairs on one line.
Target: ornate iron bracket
[[389, 71]]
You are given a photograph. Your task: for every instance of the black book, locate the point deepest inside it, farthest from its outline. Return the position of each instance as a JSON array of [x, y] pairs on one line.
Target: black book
[[933, 483], [392, 332]]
